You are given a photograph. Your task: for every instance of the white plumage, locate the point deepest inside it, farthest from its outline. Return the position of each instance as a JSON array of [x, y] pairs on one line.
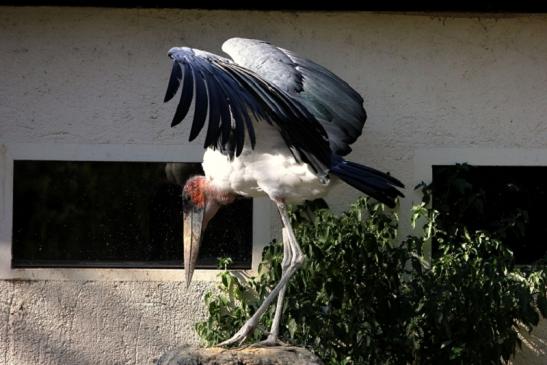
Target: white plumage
[[268, 169]]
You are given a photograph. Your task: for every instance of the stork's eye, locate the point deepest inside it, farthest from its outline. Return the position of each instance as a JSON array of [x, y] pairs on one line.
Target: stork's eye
[[185, 198]]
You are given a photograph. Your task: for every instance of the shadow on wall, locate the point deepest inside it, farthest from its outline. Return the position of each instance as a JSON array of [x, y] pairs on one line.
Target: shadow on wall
[[534, 345]]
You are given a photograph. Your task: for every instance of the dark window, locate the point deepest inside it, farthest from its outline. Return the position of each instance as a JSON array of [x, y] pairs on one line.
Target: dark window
[[115, 214], [509, 202]]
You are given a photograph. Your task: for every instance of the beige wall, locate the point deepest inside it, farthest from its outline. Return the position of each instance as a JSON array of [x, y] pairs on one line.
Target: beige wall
[[97, 76]]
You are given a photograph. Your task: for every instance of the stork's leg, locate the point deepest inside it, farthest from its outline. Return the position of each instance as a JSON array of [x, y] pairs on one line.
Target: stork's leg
[[296, 260], [287, 255]]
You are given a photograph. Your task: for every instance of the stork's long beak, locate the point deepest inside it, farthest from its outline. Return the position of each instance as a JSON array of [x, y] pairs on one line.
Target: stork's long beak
[[193, 221]]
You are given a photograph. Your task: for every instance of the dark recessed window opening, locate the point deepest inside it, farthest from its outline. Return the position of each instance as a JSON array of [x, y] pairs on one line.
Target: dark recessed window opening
[[116, 214], [508, 202]]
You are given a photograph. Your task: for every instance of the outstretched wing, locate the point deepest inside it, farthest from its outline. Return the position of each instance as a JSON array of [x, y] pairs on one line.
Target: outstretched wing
[[231, 99], [337, 106]]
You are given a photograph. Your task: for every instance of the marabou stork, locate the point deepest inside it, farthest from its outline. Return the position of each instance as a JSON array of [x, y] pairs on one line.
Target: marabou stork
[[277, 125]]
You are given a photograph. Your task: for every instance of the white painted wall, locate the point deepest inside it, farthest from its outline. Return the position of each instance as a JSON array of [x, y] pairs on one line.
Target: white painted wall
[[97, 76]]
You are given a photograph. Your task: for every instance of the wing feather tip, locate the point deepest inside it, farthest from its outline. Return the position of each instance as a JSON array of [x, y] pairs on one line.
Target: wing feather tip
[[175, 122], [168, 97]]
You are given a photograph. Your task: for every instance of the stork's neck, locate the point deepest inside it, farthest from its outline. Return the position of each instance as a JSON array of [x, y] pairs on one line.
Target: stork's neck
[[220, 196]]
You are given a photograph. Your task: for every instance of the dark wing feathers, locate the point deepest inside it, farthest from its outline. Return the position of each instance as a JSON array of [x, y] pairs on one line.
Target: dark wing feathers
[[201, 103], [174, 82], [232, 97], [337, 106], [185, 96]]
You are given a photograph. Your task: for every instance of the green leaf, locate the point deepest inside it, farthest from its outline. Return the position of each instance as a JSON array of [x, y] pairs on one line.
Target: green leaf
[[292, 327]]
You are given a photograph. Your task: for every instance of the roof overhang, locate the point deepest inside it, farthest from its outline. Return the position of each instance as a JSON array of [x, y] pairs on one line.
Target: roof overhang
[[489, 6]]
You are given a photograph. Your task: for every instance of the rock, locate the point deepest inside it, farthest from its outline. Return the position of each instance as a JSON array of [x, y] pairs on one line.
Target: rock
[[275, 355]]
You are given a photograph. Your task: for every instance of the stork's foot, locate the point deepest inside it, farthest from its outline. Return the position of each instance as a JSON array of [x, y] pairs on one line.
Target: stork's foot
[[239, 336], [270, 342]]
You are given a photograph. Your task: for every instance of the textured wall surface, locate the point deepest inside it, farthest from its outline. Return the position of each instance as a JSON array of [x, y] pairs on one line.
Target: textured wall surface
[[97, 76], [89, 323]]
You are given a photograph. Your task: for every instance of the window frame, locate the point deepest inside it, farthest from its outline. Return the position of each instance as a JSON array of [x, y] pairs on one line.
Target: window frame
[[425, 159], [262, 208]]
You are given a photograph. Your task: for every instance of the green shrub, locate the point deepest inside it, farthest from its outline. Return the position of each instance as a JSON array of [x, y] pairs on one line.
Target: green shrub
[[362, 297], [473, 302]]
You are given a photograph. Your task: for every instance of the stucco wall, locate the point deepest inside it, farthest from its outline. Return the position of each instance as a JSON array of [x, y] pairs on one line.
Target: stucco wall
[[97, 76], [90, 323]]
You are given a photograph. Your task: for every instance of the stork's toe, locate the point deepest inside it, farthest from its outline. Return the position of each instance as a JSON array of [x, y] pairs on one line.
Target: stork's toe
[[270, 342], [240, 336]]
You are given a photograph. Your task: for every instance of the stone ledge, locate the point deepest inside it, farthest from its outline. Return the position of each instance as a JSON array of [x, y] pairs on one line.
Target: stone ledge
[[276, 355]]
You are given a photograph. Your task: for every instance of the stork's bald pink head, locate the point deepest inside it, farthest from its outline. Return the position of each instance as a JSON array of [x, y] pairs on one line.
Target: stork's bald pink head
[[200, 202], [195, 190], [198, 190]]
